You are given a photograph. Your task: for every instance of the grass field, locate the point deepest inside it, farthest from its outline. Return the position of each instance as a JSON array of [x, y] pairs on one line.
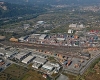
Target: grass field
[[33, 75], [15, 72]]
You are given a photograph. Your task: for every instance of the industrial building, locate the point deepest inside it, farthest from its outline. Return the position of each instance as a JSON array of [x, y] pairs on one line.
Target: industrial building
[[85, 55], [2, 51], [13, 39], [40, 55], [43, 36], [28, 59], [33, 38], [22, 39], [36, 65], [40, 60], [61, 39], [10, 54], [55, 64], [72, 25], [70, 31], [48, 67], [2, 38], [22, 55], [40, 22]]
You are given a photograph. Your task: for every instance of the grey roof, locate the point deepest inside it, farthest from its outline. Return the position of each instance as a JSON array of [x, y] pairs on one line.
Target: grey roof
[[39, 60], [27, 59], [21, 54]]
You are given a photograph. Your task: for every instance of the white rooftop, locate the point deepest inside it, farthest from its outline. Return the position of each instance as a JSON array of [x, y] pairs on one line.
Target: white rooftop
[[27, 59]]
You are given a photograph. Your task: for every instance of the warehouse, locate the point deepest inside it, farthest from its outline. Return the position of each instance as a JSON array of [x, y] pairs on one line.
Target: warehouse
[[70, 31], [22, 39], [85, 55], [61, 39], [28, 59], [43, 36], [48, 67], [10, 54], [22, 55], [2, 38], [40, 60], [36, 65]]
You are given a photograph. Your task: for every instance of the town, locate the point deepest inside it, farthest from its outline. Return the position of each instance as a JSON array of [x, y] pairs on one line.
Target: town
[[75, 61], [49, 41]]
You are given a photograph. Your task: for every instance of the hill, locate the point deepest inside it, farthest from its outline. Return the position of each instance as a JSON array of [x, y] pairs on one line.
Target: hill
[[53, 1], [13, 10]]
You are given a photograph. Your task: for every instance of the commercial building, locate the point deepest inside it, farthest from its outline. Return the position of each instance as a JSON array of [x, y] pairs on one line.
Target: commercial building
[[40, 60], [28, 59]]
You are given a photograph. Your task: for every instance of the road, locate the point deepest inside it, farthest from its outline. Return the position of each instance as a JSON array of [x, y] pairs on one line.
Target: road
[[89, 63]]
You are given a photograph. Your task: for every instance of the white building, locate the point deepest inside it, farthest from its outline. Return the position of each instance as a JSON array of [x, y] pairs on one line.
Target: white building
[[1, 54], [72, 25], [40, 60], [48, 67], [36, 65], [28, 59], [76, 26], [40, 22], [55, 64], [10, 54], [43, 36], [81, 26], [26, 26], [61, 39], [70, 31]]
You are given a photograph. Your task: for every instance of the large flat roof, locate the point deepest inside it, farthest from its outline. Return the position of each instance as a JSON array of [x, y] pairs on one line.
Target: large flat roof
[[21, 54], [2, 37], [27, 59], [39, 60]]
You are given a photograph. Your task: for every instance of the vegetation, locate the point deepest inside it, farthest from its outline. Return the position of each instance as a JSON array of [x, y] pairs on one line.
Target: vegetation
[[16, 12], [33, 75], [70, 76], [15, 72]]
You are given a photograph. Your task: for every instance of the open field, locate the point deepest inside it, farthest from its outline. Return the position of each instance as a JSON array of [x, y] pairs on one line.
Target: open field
[[30, 75], [15, 72], [93, 73]]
